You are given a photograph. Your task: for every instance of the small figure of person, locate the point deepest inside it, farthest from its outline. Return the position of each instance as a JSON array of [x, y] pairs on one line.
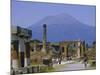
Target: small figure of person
[[57, 60], [60, 59], [85, 60]]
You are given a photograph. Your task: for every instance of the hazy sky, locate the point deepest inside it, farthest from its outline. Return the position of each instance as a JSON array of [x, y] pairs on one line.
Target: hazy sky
[[27, 13]]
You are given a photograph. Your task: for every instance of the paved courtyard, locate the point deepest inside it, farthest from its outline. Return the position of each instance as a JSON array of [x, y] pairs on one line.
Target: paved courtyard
[[73, 66]]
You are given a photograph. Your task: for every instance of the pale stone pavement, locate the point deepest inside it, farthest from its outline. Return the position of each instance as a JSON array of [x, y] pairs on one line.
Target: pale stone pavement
[[73, 66]]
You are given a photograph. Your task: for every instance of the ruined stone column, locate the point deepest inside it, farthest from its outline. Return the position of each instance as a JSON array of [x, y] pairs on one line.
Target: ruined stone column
[[27, 54], [84, 47], [14, 55], [65, 51], [21, 51], [44, 38], [78, 49], [35, 46], [82, 52]]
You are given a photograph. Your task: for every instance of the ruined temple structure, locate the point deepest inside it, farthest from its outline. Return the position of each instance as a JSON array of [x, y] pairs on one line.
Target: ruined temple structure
[[65, 49], [72, 49], [27, 52], [20, 47]]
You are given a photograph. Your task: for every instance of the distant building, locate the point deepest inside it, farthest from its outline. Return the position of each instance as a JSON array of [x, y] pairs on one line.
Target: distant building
[[71, 49]]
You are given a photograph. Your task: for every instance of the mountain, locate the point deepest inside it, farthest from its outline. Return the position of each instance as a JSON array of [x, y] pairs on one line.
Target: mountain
[[63, 27]]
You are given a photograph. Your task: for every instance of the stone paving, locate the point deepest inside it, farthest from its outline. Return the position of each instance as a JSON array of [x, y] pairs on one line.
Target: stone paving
[[72, 66]]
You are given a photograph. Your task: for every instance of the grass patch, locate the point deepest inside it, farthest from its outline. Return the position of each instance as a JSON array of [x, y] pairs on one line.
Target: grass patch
[[92, 63], [46, 69]]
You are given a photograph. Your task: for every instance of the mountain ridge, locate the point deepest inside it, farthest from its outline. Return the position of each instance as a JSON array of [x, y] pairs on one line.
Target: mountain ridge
[[63, 27]]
